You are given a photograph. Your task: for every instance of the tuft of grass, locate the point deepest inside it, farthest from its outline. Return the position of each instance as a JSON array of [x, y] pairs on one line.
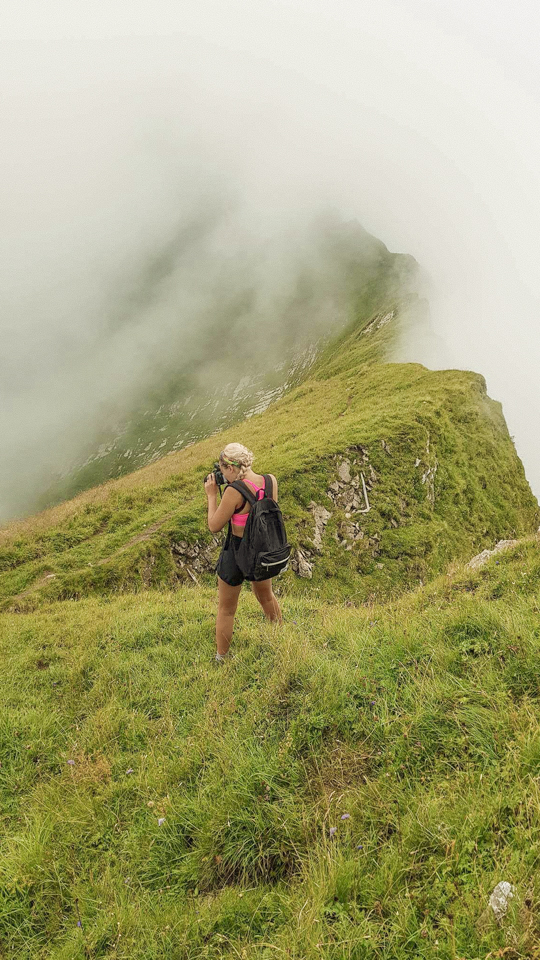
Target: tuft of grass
[[351, 785]]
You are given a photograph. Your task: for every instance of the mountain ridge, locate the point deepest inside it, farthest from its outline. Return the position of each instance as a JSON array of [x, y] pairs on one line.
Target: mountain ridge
[[442, 474], [352, 785]]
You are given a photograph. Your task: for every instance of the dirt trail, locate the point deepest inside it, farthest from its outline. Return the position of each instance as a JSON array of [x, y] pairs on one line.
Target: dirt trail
[[99, 563]]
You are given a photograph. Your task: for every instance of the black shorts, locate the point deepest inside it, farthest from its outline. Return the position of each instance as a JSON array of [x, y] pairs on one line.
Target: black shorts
[[227, 568]]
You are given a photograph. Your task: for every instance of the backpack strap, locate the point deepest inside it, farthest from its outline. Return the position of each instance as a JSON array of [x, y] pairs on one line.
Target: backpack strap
[[245, 491], [268, 486]]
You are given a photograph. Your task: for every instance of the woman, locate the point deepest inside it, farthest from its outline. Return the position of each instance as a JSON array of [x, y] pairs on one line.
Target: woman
[[235, 463]]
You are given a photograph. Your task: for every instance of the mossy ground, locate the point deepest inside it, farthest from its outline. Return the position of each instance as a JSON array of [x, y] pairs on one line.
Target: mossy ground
[[352, 785]]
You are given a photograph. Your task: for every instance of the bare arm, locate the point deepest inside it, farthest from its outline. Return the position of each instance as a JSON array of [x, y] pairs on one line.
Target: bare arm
[[230, 501]]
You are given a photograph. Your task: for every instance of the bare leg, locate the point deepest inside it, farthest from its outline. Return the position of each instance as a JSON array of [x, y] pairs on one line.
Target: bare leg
[[228, 602], [265, 595]]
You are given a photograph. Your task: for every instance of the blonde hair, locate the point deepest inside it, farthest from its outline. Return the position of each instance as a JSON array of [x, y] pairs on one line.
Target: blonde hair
[[237, 455]]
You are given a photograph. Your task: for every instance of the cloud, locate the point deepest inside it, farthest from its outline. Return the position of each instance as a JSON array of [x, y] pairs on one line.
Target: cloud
[[141, 140]]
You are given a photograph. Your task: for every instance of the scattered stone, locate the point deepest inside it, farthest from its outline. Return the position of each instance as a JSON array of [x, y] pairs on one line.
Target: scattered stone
[[500, 899], [385, 447], [483, 557]]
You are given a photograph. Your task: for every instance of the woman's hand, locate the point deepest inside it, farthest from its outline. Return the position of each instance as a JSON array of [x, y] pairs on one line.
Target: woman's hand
[[210, 485]]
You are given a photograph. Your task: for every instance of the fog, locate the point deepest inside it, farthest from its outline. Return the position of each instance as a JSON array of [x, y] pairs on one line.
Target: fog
[[127, 126]]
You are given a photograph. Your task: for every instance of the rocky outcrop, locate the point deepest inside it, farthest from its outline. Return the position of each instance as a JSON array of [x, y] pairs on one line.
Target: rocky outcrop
[[301, 565], [193, 558], [483, 557], [379, 321], [349, 491], [321, 516], [429, 466]]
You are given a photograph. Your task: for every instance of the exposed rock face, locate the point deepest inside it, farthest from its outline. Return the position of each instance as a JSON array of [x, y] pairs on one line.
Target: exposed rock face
[[348, 534], [344, 471], [193, 558], [301, 566], [430, 466], [321, 516], [483, 557], [379, 321], [347, 492]]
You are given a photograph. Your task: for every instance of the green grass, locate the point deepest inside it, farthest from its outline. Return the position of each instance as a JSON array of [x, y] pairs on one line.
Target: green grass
[[418, 718], [351, 786], [409, 419]]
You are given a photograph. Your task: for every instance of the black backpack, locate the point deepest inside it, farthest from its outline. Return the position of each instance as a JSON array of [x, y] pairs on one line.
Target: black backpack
[[264, 551]]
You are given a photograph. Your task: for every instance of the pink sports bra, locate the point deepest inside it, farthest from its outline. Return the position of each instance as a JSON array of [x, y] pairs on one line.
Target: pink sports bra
[[240, 519]]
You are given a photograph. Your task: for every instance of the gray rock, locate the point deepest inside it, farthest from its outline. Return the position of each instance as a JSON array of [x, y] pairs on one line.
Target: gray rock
[[301, 565], [482, 558], [500, 899], [344, 471], [321, 516]]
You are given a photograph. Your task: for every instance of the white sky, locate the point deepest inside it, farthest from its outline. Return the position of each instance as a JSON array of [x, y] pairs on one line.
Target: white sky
[[419, 117]]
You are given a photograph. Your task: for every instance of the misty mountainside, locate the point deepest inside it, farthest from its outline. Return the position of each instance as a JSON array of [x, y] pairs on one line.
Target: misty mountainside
[[227, 327], [352, 785], [387, 472]]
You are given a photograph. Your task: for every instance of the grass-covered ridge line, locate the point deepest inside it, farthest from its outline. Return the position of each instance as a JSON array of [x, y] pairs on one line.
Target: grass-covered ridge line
[[352, 786], [409, 420]]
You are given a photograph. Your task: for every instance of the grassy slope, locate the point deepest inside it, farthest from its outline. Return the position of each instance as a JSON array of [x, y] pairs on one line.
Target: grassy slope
[[105, 539], [419, 719]]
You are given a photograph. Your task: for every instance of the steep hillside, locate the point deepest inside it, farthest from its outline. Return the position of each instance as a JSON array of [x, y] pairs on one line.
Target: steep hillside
[[387, 472], [353, 785]]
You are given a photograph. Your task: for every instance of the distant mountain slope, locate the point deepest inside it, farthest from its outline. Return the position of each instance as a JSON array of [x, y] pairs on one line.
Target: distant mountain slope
[[427, 452], [248, 332]]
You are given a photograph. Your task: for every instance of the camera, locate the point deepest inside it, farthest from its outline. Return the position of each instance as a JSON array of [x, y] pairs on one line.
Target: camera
[[220, 479]]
